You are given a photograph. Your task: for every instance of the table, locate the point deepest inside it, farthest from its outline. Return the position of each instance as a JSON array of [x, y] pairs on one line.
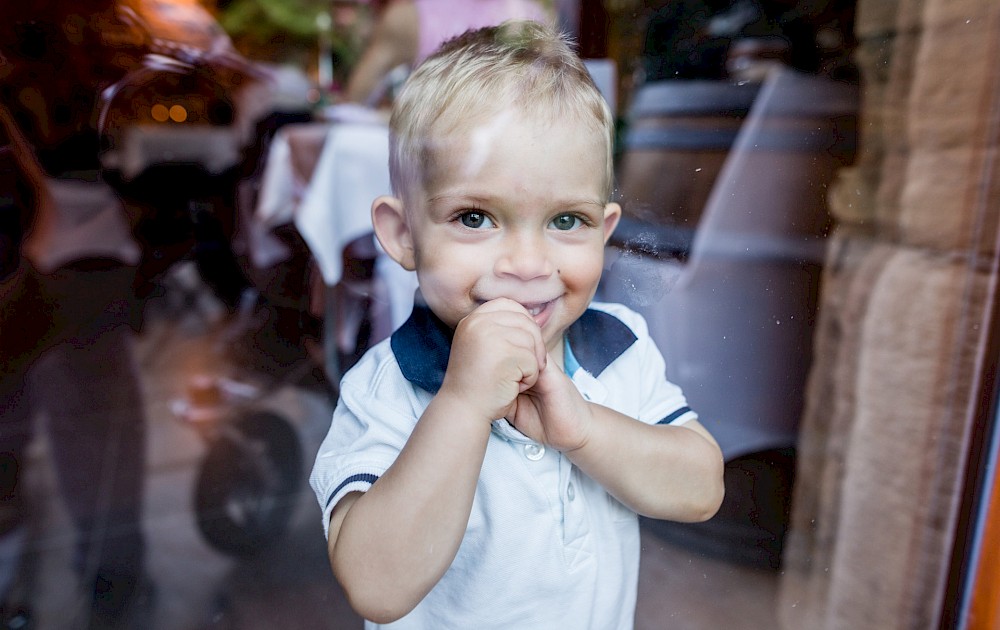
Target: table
[[323, 176]]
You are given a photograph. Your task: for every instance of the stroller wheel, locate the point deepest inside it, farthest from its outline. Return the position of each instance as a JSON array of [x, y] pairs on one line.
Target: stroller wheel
[[248, 484]]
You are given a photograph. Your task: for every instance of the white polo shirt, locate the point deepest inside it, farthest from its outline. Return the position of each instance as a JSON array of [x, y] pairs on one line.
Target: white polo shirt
[[546, 546]]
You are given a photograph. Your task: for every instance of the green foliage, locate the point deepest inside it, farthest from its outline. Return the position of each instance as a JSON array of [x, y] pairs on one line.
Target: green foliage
[[269, 27], [263, 18]]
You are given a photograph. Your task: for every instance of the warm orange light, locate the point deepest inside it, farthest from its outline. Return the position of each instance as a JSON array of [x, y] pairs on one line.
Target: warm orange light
[[178, 113], [159, 113]]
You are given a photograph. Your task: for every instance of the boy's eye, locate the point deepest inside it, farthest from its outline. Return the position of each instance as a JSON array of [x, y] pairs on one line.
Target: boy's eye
[[475, 220], [566, 222]]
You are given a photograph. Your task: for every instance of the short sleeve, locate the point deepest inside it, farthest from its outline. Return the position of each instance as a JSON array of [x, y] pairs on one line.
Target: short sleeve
[[663, 402], [641, 371], [366, 435]]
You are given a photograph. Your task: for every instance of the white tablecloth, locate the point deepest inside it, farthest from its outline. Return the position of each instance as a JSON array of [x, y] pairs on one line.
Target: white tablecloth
[[330, 201]]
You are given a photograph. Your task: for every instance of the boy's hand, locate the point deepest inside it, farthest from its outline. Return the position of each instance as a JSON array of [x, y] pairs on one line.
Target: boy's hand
[[553, 412], [497, 353]]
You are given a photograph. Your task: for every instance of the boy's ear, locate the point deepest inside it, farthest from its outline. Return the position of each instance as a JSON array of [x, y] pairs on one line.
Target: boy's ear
[[393, 231], [612, 213]]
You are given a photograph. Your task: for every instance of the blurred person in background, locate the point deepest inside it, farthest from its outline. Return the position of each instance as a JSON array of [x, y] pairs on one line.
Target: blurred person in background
[[407, 31], [66, 301], [741, 39]]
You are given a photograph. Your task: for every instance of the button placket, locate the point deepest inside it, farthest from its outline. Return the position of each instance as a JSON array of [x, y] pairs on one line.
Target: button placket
[[576, 524]]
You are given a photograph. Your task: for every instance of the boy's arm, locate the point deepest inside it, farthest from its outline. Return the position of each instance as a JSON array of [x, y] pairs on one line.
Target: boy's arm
[[389, 546], [660, 471], [394, 42], [671, 472]]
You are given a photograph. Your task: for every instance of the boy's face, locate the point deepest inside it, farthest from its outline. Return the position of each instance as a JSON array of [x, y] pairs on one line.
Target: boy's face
[[513, 207]]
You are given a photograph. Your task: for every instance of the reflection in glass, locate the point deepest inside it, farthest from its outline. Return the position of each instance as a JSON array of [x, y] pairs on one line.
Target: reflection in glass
[[836, 324]]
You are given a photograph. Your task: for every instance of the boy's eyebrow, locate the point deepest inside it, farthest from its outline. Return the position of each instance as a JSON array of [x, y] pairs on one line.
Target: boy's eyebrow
[[570, 202]]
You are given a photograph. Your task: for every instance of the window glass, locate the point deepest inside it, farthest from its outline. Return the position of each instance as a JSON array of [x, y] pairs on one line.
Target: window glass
[[809, 226]]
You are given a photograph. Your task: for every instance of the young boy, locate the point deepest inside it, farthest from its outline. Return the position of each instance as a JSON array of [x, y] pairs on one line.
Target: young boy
[[485, 465]]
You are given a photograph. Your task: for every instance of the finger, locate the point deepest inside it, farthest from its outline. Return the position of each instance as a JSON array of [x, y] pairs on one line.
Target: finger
[[508, 316], [530, 338], [501, 318], [524, 319], [541, 352], [526, 361], [502, 304], [494, 313]]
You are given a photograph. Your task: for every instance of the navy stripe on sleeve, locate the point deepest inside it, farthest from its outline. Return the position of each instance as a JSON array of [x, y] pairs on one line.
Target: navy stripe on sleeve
[[677, 414], [368, 477]]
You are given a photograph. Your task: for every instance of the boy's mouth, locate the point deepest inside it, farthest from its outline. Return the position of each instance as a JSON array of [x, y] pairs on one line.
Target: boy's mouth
[[539, 311], [535, 309]]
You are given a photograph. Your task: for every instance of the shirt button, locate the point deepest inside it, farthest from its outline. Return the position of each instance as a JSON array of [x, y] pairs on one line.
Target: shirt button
[[570, 492], [534, 452]]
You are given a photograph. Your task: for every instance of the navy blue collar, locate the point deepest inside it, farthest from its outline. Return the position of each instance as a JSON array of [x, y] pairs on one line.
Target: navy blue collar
[[423, 343]]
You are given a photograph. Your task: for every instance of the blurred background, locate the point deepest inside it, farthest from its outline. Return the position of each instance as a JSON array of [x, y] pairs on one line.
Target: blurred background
[[186, 267]]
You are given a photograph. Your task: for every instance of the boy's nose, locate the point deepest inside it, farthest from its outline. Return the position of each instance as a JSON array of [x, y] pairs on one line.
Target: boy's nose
[[524, 258]]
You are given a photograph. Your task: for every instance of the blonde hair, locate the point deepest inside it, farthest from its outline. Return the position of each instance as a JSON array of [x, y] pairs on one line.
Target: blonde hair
[[518, 64]]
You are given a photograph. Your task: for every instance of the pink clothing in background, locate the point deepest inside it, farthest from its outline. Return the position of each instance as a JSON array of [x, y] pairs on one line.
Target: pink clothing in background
[[440, 20]]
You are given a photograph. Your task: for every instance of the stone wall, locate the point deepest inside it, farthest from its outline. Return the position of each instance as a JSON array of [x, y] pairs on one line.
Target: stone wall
[[906, 296]]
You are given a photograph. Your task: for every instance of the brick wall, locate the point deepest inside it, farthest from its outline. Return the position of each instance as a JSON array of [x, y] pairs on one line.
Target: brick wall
[[906, 296]]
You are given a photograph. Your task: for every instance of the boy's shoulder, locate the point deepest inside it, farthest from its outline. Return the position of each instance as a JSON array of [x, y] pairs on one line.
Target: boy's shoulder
[[376, 375]]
